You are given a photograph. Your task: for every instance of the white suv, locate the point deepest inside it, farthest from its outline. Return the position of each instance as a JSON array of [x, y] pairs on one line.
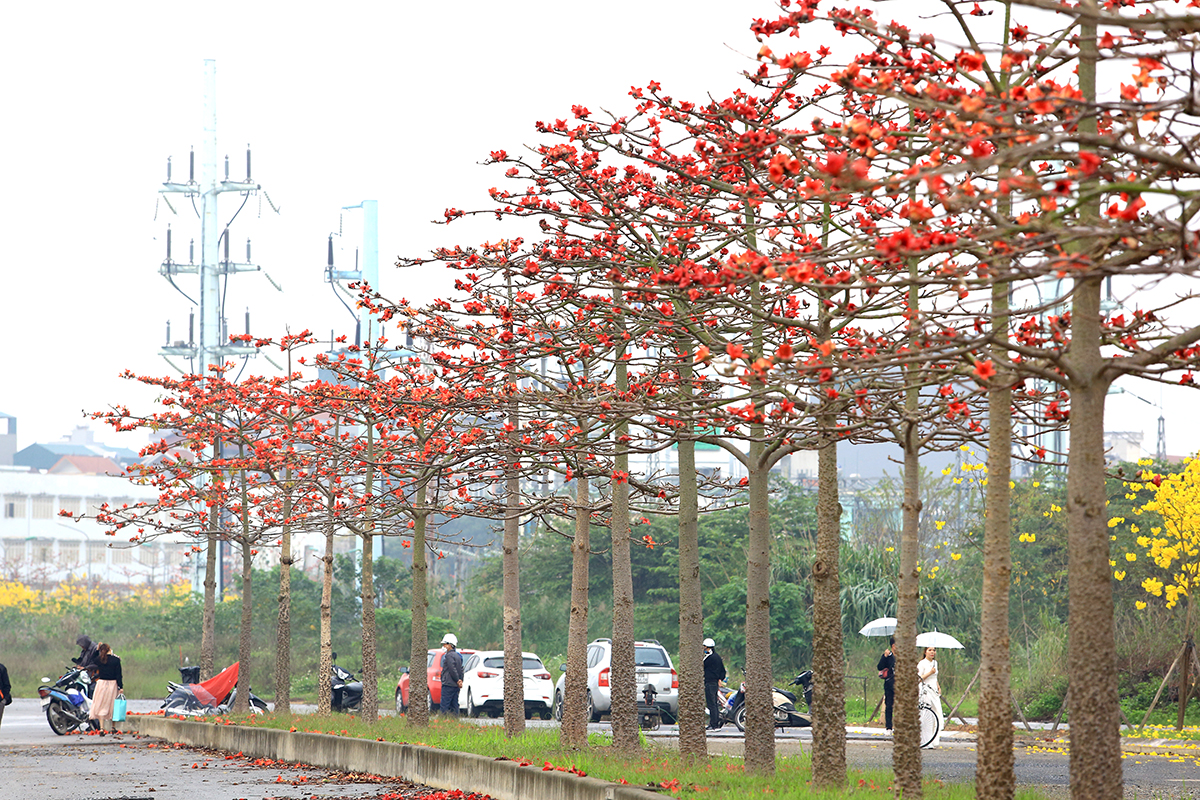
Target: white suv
[[653, 665]]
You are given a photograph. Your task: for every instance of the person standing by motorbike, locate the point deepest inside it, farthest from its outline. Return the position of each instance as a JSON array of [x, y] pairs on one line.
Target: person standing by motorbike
[[887, 671], [108, 683], [452, 674], [88, 661], [714, 673], [5, 690]]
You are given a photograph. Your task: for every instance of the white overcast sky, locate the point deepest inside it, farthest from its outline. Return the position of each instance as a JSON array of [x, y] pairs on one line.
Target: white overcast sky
[[393, 101]]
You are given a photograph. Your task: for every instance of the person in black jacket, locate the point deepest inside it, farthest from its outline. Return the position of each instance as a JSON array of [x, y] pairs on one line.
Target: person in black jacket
[[5, 690], [887, 671], [452, 674], [714, 673], [109, 683], [89, 654]]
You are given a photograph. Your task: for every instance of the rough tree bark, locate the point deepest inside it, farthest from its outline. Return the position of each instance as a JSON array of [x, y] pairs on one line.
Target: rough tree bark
[[418, 682], [370, 673], [241, 704], [624, 673], [325, 673], [994, 764], [1095, 730], [693, 743], [1095, 736], [760, 717], [906, 751], [283, 627], [514, 675], [574, 713], [208, 627], [829, 689]]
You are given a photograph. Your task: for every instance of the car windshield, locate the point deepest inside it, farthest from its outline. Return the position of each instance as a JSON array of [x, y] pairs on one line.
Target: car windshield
[[497, 662], [650, 657]]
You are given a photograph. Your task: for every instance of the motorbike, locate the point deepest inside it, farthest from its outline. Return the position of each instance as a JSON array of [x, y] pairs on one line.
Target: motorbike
[[784, 702], [214, 696], [66, 701], [345, 692]]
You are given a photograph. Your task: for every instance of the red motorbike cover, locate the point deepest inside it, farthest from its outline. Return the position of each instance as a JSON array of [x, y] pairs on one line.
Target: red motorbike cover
[[214, 690]]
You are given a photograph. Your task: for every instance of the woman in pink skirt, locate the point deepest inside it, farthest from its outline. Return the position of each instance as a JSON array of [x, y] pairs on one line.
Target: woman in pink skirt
[[108, 685]]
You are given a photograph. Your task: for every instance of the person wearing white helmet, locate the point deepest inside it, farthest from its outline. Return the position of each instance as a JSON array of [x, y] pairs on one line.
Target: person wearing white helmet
[[714, 673], [452, 674]]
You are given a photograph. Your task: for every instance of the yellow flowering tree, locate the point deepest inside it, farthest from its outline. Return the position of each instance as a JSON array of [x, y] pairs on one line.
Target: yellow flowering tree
[[1173, 546]]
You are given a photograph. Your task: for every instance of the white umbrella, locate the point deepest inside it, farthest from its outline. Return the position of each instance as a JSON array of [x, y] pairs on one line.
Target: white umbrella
[[939, 640], [883, 626]]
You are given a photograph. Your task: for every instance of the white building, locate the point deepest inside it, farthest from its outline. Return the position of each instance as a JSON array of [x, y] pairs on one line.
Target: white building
[[41, 548]]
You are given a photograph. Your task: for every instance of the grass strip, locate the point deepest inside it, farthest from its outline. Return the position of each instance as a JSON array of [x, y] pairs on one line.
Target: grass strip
[[658, 767]]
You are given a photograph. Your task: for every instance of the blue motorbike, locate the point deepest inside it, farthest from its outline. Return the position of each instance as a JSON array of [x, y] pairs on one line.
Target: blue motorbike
[[66, 702]]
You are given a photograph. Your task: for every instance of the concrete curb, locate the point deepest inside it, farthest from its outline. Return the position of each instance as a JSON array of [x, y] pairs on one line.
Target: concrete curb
[[439, 769]]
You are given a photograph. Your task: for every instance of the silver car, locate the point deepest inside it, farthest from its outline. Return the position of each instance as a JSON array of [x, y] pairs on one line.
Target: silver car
[[653, 665]]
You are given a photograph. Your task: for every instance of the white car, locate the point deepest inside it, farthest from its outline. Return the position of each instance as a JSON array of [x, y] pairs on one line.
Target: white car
[[483, 685], [654, 668]]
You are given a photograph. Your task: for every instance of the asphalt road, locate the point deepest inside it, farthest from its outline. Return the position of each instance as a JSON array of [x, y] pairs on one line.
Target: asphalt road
[[39, 765], [43, 766]]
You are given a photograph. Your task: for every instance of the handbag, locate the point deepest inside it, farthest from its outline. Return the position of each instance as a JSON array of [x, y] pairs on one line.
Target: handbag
[[885, 673], [119, 709]]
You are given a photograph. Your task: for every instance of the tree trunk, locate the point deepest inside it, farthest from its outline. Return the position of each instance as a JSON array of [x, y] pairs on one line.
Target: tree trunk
[[370, 673], [283, 628], [829, 682], [575, 687], [418, 683], [325, 673], [994, 764], [760, 716], [906, 750], [692, 741], [1095, 724], [624, 673], [208, 628], [246, 638], [514, 675]]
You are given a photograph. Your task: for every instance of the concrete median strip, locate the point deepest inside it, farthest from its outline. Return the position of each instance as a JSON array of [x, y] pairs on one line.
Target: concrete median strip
[[439, 769]]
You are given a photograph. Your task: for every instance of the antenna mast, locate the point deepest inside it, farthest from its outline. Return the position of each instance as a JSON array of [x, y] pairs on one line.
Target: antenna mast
[[214, 345]]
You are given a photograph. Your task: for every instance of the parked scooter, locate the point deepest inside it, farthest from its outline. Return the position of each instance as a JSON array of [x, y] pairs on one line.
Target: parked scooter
[[214, 696], [345, 692], [66, 701], [784, 702]]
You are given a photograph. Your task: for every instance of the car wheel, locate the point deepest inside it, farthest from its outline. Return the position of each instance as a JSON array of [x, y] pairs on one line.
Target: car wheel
[[400, 708], [545, 715], [529, 713], [472, 709], [591, 709], [429, 697], [556, 712]]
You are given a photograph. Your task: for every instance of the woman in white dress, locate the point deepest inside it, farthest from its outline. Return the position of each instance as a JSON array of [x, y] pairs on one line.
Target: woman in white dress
[[927, 671]]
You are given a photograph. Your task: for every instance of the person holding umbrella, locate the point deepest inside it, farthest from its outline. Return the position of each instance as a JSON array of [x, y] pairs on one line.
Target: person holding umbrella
[[927, 672], [887, 671]]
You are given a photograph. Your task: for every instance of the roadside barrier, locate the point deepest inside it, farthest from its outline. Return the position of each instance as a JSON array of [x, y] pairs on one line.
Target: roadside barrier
[[439, 769]]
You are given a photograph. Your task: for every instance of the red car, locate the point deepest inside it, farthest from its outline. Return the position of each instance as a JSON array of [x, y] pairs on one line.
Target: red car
[[433, 674]]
